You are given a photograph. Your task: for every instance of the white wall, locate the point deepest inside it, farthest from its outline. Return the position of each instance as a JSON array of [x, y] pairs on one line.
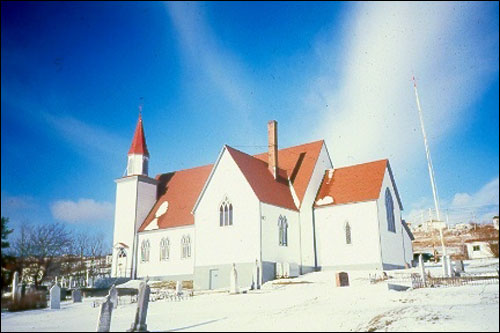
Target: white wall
[[392, 242], [271, 250], [306, 210], [239, 243], [137, 164], [124, 220], [408, 247], [135, 196], [364, 249], [484, 250], [175, 265]]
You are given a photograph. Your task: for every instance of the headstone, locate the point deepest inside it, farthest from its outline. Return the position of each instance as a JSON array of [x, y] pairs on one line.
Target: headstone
[[76, 295], [15, 286], [104, 319], [449, 267], [178, 288], [234, 280], [113, 294], [139, 324], [459, 266], [422, 270], [55, 297], [342, 279], [444, 263]]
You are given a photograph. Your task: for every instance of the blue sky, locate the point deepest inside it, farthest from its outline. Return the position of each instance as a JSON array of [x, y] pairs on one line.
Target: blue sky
[[208, 74]]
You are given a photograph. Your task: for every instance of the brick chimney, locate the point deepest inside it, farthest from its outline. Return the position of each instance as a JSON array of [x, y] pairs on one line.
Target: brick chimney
[[272, 154]]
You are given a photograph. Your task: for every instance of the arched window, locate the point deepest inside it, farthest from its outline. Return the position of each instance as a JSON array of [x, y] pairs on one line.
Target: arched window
[[164, 249], [226, 213], [145, 251], [122, 253], [283, 230], [186, 247], [389, 209], [347, 233]]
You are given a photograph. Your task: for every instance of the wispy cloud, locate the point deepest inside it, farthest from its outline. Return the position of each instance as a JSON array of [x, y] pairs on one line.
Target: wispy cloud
[[83, 210], [14, 203], [372, 111], [479, 206], [86, 137], [202, 50]]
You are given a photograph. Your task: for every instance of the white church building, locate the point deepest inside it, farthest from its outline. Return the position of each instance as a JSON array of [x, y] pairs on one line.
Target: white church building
[[287, 211]]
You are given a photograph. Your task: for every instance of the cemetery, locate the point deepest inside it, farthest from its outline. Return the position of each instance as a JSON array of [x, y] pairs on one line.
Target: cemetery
[[327, 300]]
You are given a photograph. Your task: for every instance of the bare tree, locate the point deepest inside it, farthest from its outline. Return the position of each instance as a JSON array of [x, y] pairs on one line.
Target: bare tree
[[39, 249]]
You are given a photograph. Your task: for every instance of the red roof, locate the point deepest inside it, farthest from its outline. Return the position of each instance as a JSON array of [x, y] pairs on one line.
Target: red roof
[[362, 182], [139, 141], [180, 189], [266, 188], [299, 163]]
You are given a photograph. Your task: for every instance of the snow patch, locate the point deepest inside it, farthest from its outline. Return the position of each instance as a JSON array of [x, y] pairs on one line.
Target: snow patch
[[325, 201]]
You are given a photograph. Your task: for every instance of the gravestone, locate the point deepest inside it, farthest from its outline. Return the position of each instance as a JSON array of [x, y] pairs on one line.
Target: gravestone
[[422, 270], [459, 266], [76, 295], [178, 288], [113, 294], [104, 319], [139, 324], [15, 286], [55, 297], [342, 279], [234, 280], [449, 267], [444, 263]]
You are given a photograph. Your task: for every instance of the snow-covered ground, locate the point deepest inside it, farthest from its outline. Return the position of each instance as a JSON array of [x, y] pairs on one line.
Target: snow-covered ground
[[314, 306]]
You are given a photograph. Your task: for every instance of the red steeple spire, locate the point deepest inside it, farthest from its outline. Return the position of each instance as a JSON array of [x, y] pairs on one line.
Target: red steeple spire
[[139, 141]]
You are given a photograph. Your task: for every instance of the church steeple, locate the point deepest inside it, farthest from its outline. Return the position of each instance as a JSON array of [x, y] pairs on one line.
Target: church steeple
[[139, 141], [138, 154]]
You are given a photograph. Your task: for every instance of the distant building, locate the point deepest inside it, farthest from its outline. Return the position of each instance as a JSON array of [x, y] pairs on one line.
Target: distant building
[[495, 222], [463, 226], [479, 249], [431, 225]]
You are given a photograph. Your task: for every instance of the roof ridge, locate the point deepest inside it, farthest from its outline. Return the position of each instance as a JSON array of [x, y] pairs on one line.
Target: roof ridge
[[188, 169], [359, 164]]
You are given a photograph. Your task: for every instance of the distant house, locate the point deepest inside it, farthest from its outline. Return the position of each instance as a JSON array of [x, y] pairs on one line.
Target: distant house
[[432, 225], [463, 226], [479, 249], [495, 222]]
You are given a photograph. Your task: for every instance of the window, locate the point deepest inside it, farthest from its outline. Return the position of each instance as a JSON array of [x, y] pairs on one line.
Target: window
[[476, 248], [164, 249], [347, 233], [283, 231], [122, 253], [145, 251], [144, 166], [389, 209], [186, 247], [225, 213]]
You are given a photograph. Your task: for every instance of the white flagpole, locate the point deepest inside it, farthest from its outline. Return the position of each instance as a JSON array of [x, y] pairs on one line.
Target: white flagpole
[[429, 165]]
